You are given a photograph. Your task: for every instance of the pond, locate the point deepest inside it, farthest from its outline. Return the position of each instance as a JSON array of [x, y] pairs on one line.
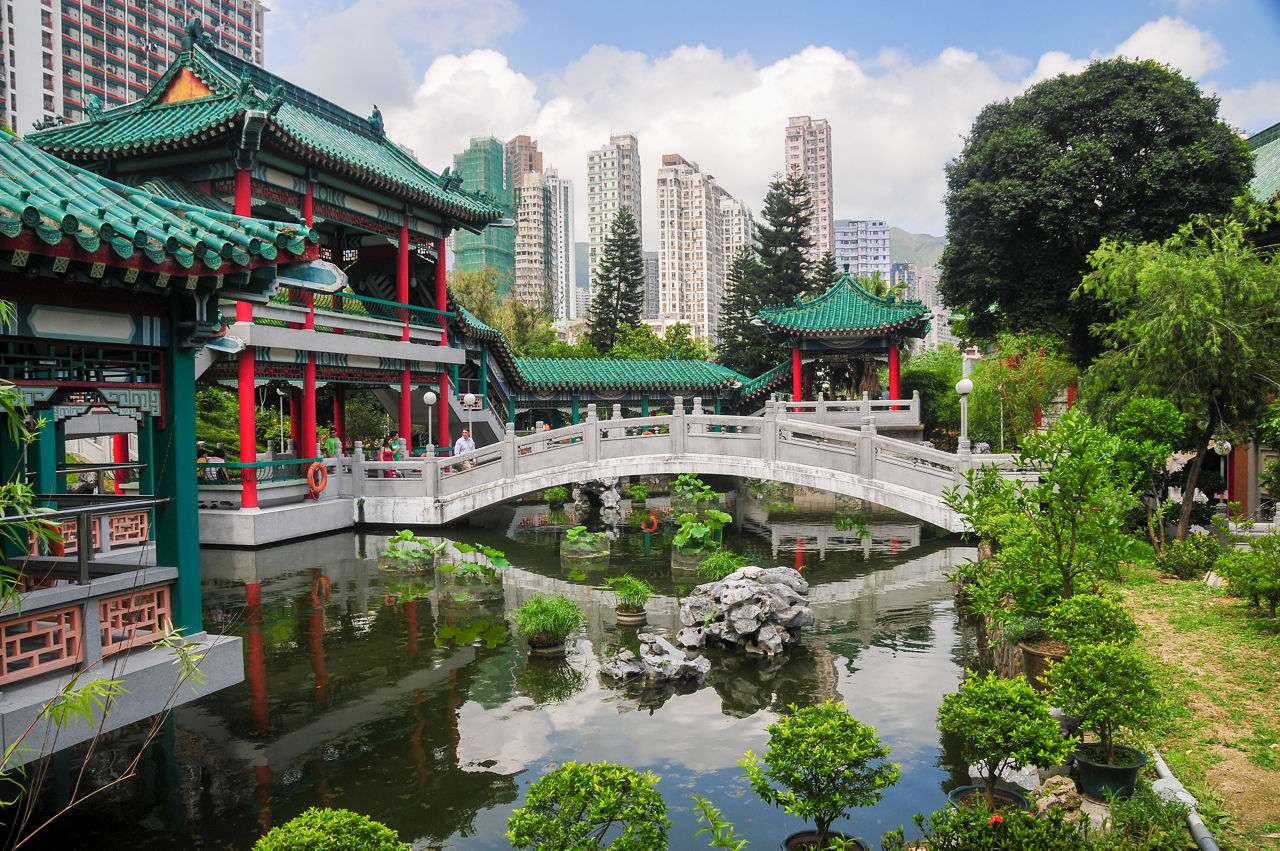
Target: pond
[[434, 721]]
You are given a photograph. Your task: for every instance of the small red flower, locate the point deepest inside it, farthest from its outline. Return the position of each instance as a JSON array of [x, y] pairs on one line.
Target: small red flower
[[995, 820]]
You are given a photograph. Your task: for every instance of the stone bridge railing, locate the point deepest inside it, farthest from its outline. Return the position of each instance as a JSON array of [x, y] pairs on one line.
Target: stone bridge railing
[[857, 462]]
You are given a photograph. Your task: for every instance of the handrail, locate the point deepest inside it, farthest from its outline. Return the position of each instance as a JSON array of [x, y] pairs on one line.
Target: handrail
[[352, 304], [101, 505]]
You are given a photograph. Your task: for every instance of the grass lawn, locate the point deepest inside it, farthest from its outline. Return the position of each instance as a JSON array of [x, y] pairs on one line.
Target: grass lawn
[[1218, 659]]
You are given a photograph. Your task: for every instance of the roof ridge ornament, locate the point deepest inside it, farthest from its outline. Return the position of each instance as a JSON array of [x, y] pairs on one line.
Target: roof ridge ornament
[[193, 34], [93, 107], [375, 122]]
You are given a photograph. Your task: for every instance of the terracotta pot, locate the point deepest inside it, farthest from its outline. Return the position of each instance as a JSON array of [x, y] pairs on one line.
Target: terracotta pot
[[631, 618], [1036, 659]]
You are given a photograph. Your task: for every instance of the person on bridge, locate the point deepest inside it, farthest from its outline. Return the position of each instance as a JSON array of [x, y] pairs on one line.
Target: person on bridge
[[465, 444], [331, 444]]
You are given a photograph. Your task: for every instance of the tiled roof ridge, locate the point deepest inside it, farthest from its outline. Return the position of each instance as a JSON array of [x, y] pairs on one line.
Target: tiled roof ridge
[[1264, 137], [845, 281]]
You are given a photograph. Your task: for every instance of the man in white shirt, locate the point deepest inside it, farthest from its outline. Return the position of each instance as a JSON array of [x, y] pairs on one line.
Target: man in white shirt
[[465, 444]]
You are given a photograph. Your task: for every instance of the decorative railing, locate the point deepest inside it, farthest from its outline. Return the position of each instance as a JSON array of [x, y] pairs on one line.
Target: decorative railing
[[350, 304]]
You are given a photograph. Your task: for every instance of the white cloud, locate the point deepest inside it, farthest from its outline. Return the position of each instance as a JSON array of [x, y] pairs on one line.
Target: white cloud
[[366, 51], [1176, 43]]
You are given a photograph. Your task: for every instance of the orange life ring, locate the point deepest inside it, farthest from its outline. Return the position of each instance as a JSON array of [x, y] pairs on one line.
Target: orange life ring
[[650, 524], [317, 478], [321, 583]]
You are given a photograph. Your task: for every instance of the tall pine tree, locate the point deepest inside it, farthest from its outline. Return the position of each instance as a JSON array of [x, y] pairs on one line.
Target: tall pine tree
[[825, 271], [619, 284], [775, 273]]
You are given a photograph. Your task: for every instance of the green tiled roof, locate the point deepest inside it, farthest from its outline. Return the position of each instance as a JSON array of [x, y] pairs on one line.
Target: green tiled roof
[[766, 381], [55, 202], [847, 310], [297, 120], [1266, 166], [605, 373]]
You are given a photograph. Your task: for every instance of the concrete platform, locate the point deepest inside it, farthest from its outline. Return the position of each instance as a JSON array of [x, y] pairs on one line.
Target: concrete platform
[[259, 527]]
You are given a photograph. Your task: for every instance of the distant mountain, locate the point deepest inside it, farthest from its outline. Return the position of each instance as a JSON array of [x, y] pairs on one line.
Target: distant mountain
[[918, 248]]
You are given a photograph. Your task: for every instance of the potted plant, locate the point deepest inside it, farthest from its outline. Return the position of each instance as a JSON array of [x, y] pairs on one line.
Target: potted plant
[[632, 593], [698, 536], [470, 575], [1001, 724], [690, 493], [821, 762], [1078, 620], [578, 804], [331, 830], [1107, 687], [545, 622], [556, 497], [638, 492], [581, 545]]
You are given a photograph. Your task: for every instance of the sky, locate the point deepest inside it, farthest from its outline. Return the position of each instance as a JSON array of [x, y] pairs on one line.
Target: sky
[[900, 81]]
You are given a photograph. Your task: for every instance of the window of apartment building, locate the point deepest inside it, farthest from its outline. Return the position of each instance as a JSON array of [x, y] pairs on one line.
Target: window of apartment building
[[48, 103], [48, 82]]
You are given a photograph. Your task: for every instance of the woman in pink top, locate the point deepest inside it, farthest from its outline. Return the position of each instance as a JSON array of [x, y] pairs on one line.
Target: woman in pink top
[[388, 454]]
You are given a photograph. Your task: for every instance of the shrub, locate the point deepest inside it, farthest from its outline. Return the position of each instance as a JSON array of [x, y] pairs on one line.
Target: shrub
[[1149, 820], [638, 491], [1106, 686], [544, 620], [579, 805], [1002, 724], [1255, 573], [1090, 619], [693, 534], [331, 830], [579, 537], [720, 564], [1190, 558], [631, 592], [820, 764], [958, 829], [556, 495]]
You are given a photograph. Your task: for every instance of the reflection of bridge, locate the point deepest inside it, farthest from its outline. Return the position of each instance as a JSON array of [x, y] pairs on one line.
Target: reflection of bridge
[[860, 463]]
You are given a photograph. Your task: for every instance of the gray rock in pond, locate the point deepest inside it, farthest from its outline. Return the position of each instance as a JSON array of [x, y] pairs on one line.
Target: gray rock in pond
[[623, 666], [756, 609], [691, 637], [788, 576], [664, 661], [745, 618], [769, 640]]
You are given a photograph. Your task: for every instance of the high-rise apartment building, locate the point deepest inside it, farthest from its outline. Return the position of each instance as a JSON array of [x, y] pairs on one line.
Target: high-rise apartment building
[[808, 150], [940, 332], [651, 310], [613, 182], [862, 247], [483, 167], [533, 250], [699, 223], [563, 260], [522, 156], [56, 54], [905, 274]]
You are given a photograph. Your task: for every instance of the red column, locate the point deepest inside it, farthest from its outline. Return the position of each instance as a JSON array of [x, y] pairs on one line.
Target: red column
[[308, 203], [308, 428], [442, 423], [245, 373], [1071, 395], [248, 421], [895, 373], [256, 666], [120, 454], [402, 295], [797, 391], [442, 293], [295, 418]]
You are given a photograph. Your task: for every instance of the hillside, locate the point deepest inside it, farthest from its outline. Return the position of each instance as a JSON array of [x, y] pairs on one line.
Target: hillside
[[919, 248]]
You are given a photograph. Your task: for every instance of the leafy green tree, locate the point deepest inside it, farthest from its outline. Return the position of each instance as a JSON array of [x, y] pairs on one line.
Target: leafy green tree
[[640, 343], [579, 804], [880, 287], [526, 329], [934, 373], [619, 287], [1011, 390], [1195, 319], [777, 274], [825, 271], [477, 292], [1123, 150]]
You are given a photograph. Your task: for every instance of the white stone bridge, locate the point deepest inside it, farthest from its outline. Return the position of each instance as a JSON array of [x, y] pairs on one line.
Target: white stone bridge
[[777, 445]]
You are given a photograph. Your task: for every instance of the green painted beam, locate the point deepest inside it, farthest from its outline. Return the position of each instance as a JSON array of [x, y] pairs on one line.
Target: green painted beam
[[147, 455], [177, 524], [44, 453]]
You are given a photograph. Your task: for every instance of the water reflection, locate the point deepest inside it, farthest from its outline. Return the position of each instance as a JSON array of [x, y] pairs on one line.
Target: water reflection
[[389, 694]]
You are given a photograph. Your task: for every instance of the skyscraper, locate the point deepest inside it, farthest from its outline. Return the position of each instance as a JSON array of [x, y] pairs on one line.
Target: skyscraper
[[699, 223], [862, 247], [613, 182], [563, 256], [522, 156], [533, 250], [808, 150], [54, 54], [483, 169]]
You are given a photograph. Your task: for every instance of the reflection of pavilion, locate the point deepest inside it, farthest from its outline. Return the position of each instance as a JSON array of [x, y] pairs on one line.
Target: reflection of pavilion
[[825, 536]]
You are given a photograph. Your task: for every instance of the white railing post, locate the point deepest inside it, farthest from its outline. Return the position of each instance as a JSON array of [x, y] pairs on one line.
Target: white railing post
[[431, 477], [867, 449], [677, 425], [769, 432], [964, 461], [697, 412], [820, 411], [915, 406], [617, 415], [592, 435], [864, 407], [509, 453], [357, 470]]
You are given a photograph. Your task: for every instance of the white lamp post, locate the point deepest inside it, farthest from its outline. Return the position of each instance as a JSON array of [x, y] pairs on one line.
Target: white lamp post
[[964, 387], [280, 394], [430, 398], [1222, 446], [469, 402]]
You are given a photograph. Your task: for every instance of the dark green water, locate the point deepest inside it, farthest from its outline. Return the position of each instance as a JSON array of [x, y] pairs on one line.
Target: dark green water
[[356, 699]]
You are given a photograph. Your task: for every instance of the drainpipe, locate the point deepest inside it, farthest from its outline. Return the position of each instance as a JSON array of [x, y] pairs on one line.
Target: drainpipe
[[1199, 832]]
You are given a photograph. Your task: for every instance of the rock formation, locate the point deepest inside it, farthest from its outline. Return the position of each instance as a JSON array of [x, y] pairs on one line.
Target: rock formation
[[756, 609]]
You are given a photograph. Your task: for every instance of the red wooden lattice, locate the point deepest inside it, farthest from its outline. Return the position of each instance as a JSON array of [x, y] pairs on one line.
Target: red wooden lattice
[[132, 619], [33, 644], [128, 528]]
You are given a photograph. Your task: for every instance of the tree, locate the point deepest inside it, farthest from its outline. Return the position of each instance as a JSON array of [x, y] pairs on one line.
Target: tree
[[619, 286], [934, 373], [1012, 389], [777, 273], [825, 271], [580, 804], [477, 292], [525, 329], [640, 343], [1195, 319], [1123, 150]]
